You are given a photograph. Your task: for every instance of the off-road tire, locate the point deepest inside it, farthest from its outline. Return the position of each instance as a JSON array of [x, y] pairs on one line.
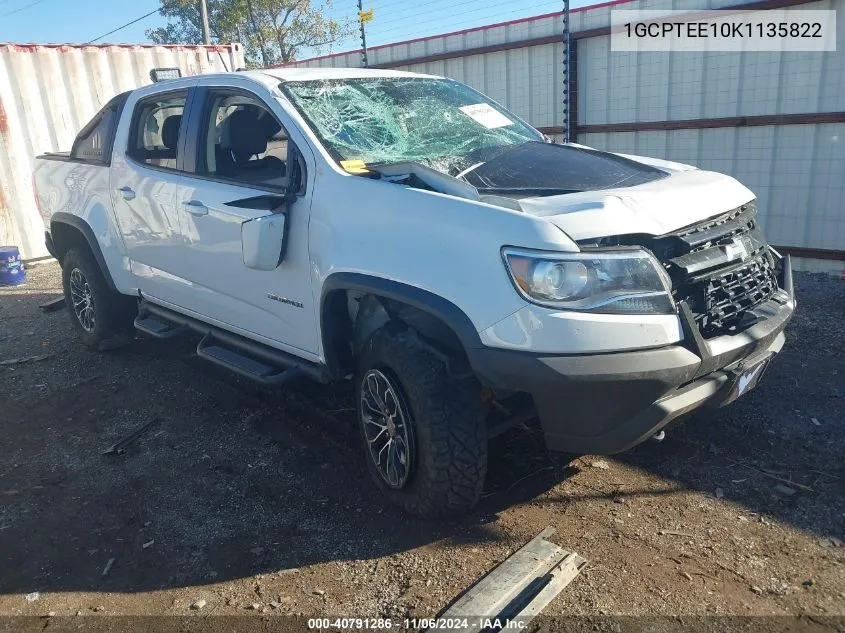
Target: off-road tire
[[450, 435], [113, 312]]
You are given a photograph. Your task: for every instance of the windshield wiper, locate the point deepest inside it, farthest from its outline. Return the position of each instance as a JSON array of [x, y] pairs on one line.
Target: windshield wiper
[[468, 170]]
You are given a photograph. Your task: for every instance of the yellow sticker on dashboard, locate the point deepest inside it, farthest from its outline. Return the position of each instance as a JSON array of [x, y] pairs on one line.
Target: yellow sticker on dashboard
[[356, 166]]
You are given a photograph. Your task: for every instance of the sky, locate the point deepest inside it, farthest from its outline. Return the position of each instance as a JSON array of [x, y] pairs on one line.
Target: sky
[[80, 21]]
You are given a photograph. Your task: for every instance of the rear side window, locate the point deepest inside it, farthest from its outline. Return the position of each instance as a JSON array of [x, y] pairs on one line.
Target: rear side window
[[94, 142], [154, 137]]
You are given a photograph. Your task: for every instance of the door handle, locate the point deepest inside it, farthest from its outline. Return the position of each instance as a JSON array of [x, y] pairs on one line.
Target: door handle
[[127, 192], [195, 207]]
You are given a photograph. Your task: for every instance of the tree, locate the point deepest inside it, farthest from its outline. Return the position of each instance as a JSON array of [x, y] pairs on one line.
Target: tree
[[272, 31]]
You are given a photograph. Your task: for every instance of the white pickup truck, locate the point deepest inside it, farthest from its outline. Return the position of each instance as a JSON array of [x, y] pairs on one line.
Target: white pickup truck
[[409, 233]]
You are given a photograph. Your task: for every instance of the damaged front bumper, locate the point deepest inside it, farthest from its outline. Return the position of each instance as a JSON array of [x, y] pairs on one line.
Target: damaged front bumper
[[607, 403]]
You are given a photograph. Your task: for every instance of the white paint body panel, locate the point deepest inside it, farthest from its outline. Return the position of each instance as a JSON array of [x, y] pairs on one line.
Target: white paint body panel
[[149, 222], [542, 330], [661, 206], [149, 225], [84, 191], [263, 239], [215, 280], [217, 283], [447, 245]]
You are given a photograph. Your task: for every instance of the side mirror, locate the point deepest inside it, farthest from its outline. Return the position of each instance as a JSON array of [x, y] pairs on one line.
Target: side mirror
[[263, 241]]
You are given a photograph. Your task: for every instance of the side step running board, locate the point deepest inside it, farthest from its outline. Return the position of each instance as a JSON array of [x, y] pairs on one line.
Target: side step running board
[[157, 326], [517, 590], [213, 351], [237, 353]]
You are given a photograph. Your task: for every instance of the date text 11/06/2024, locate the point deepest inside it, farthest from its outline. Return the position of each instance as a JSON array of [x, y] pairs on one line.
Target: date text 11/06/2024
[[415, 624]]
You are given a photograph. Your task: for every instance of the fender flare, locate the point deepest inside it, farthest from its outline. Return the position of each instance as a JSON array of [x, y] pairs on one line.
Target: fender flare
[[85, 229], [423, 300]]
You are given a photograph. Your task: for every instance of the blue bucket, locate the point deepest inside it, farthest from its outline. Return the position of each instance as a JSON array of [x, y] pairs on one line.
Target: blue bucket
[[11, 267]]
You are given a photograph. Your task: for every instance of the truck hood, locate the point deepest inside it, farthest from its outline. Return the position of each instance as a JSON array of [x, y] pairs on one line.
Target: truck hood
[[591, 194], [654, 208], [586, 193]]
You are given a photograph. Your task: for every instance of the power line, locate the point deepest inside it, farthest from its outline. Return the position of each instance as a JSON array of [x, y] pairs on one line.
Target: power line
[[23, 8], [452, 25], [120, 28], [382, 37], [402, 18], [448, 18], [482, 6], [399, 16]]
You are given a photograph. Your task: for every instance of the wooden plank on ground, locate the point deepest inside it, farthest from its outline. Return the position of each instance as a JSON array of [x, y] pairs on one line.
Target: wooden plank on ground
[[517, 589]]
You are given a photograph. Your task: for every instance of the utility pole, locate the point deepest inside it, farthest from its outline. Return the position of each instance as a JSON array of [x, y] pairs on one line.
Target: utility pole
[[567, 57], [206, 36], [362, 17]]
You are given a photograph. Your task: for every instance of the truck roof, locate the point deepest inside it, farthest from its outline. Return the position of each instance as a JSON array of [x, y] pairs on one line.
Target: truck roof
[[271, 77], [308, 74]]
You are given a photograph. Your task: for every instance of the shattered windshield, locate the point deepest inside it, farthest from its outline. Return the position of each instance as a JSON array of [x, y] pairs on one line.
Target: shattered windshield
[[439, 122]]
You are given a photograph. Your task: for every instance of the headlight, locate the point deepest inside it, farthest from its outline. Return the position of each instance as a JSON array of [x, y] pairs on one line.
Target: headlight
[[622, 281]]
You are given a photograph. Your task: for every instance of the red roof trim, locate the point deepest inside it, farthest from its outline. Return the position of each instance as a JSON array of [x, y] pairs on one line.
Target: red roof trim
[[33, 45], [462, 32]]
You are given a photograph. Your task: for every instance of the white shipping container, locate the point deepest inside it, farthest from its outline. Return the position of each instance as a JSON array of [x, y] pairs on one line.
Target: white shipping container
[[48, 92]]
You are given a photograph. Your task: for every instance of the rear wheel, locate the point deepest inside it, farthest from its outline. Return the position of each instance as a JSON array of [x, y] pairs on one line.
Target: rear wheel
[[102, 317], [424, 435]]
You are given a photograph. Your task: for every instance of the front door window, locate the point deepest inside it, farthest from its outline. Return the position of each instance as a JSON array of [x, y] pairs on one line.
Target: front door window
[[244, 143]]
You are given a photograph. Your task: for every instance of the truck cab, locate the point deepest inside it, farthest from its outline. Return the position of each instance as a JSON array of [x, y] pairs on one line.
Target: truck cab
[[410, 234]]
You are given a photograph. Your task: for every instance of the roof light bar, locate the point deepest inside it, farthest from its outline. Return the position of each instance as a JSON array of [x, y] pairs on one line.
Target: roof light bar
[[162, 74]]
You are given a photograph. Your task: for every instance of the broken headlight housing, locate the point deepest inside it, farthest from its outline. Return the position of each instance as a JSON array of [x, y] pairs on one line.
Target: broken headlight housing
[[614, 281]]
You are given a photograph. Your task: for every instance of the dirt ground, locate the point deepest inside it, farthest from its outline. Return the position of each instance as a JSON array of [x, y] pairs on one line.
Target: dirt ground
[[258, 501]]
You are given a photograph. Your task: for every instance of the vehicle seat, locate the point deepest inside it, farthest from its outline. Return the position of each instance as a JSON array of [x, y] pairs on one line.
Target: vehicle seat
[[170, 140], [170, 132], [247, 137]]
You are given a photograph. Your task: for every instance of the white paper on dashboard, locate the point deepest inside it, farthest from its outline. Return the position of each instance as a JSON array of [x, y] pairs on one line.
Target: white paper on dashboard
[[484, 114]]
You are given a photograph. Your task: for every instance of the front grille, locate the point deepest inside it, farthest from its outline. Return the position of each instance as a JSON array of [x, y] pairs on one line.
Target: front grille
[[720, 221], [728, 297], [722, 268]]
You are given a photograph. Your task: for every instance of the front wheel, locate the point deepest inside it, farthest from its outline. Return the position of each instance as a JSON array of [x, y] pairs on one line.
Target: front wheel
[[425, 441]]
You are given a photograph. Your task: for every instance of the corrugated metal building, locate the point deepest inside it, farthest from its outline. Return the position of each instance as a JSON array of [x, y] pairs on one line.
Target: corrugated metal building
[[775, 121], [48, 92]]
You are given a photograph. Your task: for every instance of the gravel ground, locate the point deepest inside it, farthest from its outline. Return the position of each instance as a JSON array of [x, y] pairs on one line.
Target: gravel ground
[[258, 501]]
